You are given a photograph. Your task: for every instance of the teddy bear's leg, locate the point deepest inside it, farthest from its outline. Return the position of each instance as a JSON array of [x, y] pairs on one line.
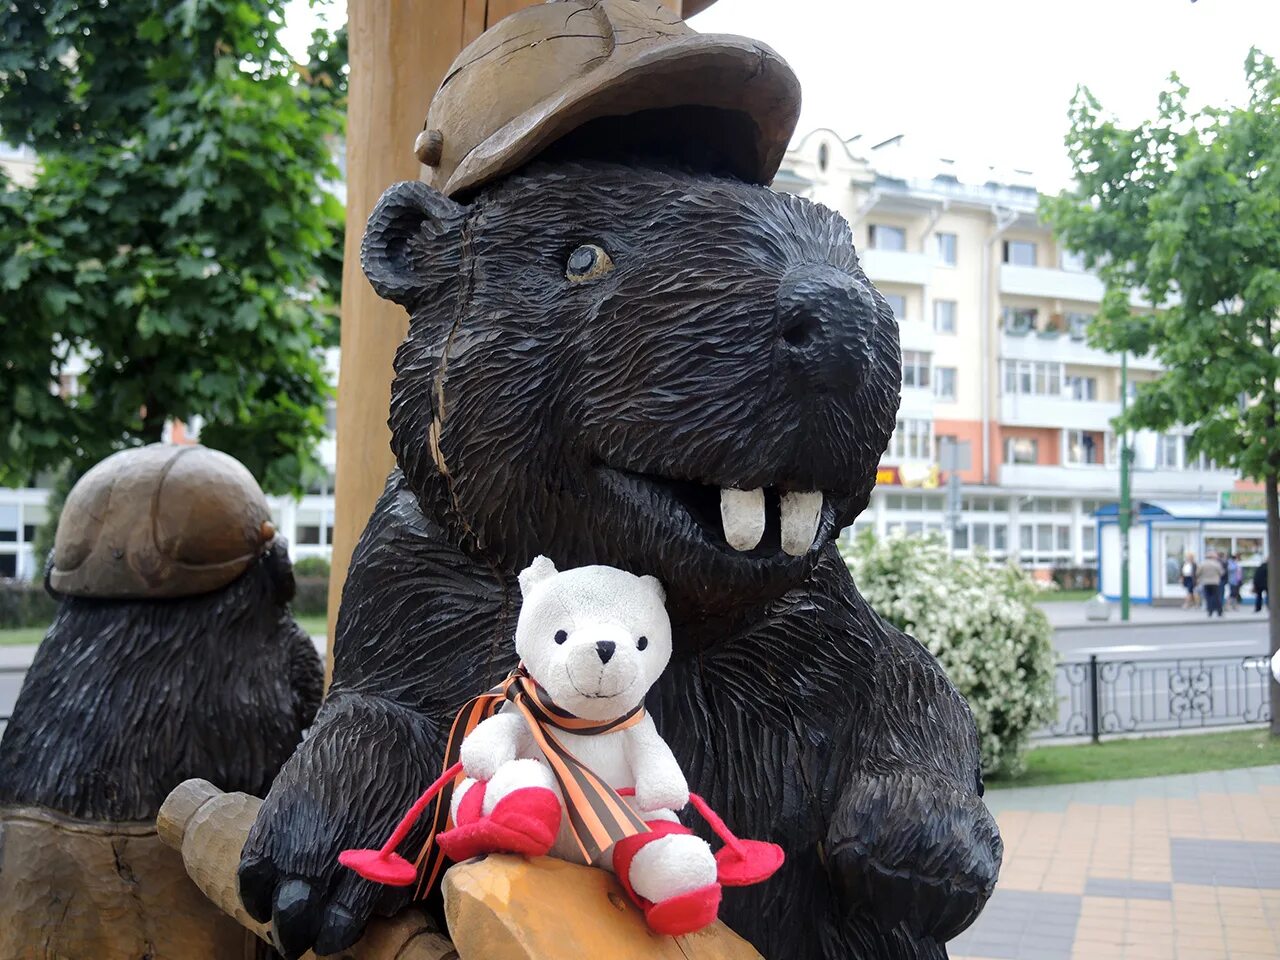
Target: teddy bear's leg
[[671, 874], [516, 811]]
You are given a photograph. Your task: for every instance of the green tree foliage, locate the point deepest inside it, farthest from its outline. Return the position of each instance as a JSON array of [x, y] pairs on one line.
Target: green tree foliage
[[1186, 208], [179, 237]]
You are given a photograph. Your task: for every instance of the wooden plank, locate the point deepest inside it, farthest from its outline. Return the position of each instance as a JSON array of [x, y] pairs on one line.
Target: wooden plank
[[399, 50]]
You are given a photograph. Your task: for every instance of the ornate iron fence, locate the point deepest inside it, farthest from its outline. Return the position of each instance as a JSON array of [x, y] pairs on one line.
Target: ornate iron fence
[[1098, 697]]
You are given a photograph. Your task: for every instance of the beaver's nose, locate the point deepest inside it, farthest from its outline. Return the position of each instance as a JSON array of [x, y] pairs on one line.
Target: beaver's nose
[[825, 318], [605, 648]]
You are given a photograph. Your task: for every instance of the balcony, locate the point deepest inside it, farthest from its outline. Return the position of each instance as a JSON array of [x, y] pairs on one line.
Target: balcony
[[1049, 283], [898, 266], [916, 402], [1097, 479], [1061, 348], [915, 335], [1039, 411]]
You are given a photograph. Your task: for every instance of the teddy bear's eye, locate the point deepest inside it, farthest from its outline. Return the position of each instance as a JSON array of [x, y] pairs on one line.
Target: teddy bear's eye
[[561, 636], [642, 643], [587, 262]]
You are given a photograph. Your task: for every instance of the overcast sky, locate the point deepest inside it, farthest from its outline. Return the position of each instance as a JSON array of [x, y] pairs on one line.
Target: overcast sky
[[988, 81]]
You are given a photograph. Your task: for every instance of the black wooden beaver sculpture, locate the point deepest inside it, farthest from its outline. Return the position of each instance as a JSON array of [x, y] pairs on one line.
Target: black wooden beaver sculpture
[[597, 352], [173, 655]]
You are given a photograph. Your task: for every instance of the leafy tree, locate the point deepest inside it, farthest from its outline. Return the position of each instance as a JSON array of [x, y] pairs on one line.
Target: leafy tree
[[178, 241], [1186, 208]]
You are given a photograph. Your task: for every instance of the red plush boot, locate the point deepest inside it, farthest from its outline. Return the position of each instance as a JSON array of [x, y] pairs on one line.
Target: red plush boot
[[675, 916], [525, 821]]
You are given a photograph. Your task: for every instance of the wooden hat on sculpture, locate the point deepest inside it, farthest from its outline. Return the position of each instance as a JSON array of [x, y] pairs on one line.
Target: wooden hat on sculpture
[[550, 69], [159, 521]]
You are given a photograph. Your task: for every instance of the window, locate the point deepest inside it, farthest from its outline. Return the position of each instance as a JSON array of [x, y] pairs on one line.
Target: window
[[1084, 448], [1021, 450], [1000, 537], [1169, 452], [947, 249], [1019, 320], [912, 440], [1020, 253], [898, 304], [1026, 537], [888, 238], [1063, 533], [1044, 537], [309, 534], [915, 368], [1081, 388], [1089, 539], [1071, 261], [1039, 378], [960, 539], [1078, 325], [8, 565], [944, 316], [944, 383], [29, 533]]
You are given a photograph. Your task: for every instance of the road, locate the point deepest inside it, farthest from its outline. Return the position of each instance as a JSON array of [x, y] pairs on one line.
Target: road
[[1239, 634]]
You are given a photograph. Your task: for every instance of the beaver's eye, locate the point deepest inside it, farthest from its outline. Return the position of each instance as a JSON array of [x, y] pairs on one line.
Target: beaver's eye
[[588, 262], [561, 636], [642, 643]]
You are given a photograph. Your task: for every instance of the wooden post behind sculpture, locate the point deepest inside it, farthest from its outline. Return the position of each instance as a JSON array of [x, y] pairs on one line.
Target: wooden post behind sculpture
[[399, 50]]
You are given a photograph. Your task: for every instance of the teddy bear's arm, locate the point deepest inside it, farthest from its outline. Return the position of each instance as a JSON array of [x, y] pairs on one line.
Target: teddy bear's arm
[[660, 783], [497, 740]]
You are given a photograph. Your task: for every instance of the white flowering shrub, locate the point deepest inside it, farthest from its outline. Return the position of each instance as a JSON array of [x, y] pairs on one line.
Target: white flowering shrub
[[982, 624]]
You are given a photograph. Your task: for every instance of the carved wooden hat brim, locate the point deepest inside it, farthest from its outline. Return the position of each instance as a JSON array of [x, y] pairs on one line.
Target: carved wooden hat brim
[[159, 521], [520, 86]]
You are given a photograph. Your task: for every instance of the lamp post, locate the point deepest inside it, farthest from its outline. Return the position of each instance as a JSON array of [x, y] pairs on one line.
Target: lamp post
[[1126, 512]]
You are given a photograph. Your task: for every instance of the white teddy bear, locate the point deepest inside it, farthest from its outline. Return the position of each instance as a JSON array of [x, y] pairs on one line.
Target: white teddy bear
[[561, 758]]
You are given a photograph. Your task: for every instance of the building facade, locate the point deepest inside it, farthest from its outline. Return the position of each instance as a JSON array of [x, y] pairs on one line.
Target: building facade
[[992, 315]]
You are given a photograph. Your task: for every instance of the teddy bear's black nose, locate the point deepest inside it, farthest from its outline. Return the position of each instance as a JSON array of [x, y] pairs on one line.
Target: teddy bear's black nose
[[825, 317], [605, 648]]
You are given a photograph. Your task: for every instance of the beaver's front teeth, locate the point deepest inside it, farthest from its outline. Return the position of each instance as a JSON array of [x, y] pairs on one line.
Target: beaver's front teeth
[[742, 514], [800, 515]]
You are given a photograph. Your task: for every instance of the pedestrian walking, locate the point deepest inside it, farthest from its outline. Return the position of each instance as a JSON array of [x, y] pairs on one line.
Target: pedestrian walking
[[1189, 580], [1260, 593], [1235, 579], [1209, 577]]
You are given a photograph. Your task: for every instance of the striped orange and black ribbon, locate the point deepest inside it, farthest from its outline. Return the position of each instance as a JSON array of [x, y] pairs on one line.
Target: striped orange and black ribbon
[[598, 817]]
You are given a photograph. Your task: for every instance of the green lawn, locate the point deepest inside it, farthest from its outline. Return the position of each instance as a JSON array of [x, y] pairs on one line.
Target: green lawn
[[317, 626], [1158, 756], [1067, 596], [10, 638]]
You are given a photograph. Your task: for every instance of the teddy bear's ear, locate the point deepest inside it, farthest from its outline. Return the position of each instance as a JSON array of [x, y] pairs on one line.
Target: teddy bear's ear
[[413, 229], [541, 569], [654, 584]]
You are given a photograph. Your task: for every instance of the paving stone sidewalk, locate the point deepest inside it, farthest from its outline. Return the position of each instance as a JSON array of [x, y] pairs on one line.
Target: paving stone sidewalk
[[1167, 868]]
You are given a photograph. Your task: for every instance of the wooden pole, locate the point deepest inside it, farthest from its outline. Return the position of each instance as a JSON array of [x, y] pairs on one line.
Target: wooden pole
[[399, 51]]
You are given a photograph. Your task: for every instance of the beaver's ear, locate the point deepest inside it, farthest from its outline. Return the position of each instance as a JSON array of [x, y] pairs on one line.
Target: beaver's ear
[[412, 242]]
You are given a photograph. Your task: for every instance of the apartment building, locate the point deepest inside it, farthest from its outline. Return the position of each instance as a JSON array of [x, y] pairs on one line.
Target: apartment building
[[992, 315]]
